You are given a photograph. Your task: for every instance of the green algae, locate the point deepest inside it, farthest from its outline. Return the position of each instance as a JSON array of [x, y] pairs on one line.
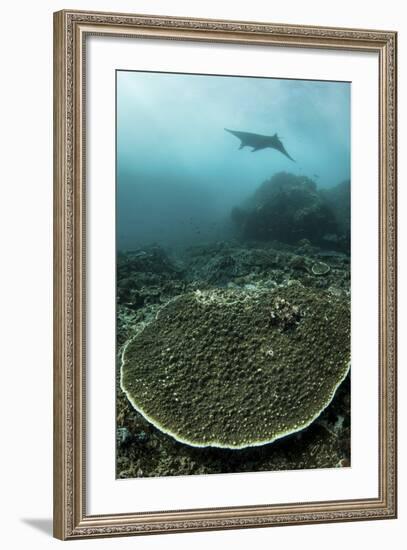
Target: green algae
[[234, 369]]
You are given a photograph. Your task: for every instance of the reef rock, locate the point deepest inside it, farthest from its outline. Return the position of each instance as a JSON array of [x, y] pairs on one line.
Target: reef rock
[[287, 208], [338, 199], [144, 276], [237, 368]]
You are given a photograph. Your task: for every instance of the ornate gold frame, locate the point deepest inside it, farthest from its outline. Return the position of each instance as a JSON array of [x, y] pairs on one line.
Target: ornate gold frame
[[70, 31]]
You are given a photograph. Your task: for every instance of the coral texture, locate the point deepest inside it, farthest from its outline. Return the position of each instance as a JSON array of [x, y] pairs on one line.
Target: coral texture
[[236, 368]]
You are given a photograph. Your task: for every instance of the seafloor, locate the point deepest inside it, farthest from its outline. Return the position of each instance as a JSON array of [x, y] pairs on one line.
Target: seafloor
[[147, 278]]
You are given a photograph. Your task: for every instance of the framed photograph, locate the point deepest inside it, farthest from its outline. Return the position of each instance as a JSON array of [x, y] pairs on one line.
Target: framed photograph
[[225, 274]]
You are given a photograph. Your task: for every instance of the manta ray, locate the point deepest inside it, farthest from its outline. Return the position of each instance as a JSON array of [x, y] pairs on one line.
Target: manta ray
[[258, 142]]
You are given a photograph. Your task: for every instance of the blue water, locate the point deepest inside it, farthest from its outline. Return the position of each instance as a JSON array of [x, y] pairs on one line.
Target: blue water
[[179, 173]]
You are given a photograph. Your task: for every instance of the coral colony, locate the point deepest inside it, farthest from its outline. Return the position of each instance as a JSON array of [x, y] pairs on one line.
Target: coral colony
[[238, 368]]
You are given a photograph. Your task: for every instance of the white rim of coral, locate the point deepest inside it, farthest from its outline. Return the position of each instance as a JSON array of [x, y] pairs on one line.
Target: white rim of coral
[[319, 273]]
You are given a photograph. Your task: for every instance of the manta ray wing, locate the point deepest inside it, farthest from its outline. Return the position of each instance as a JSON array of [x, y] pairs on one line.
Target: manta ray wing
[[247, 138]]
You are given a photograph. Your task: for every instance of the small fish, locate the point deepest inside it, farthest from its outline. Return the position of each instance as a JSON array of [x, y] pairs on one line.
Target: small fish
[[258, 142]]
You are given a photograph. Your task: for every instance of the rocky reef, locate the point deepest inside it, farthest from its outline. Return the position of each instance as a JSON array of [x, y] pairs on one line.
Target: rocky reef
[[288, 208], [150, 278], [234, 355], [339, 200]]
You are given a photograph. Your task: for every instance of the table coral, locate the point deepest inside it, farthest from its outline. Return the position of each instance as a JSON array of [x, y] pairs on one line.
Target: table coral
[[233, 368]]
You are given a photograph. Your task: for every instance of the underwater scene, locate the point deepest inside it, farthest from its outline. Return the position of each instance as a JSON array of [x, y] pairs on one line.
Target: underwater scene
[[233, 274]]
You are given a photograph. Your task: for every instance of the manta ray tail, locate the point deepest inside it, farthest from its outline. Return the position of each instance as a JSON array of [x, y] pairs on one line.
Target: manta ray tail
[[288, 156]]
